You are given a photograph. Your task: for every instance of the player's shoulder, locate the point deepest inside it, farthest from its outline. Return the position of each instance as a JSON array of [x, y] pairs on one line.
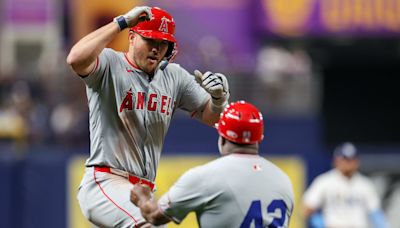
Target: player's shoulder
[[109, 51], [278, 172], [112, 54], [174, 66], [363, 179], [327, 177], [197, 173], [233, 160], [175, 69], [208, 169]]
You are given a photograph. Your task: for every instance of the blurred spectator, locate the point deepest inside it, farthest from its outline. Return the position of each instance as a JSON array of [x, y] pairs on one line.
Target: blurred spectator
[[342, 197], [69, 123], [13, 126], [30, 112], [212, 53], [14, 113], [287, 80], [26, 25]]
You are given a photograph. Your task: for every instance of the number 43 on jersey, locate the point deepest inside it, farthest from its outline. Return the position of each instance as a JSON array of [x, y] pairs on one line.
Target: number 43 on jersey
[[254, 214]]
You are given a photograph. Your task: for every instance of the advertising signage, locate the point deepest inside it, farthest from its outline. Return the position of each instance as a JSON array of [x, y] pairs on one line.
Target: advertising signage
[[330, 17]]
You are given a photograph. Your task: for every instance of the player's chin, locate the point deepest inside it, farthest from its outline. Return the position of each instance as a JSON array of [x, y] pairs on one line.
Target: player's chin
[[152, 64], [150, 68], [153, 61]]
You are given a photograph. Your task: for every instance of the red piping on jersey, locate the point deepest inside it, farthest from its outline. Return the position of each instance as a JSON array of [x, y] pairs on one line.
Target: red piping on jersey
[[102, 190], [131, 63]]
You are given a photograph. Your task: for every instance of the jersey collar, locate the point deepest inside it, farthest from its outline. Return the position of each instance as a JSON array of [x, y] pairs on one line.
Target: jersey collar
[[244, 154], [135, 67]]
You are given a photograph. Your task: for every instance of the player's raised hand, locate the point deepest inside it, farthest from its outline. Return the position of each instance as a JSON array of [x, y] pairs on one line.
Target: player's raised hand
[[216, 85], [132, 17]]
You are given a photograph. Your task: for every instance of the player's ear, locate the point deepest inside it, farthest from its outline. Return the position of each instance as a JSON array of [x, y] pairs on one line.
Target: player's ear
[[223, 141], [131, 36]]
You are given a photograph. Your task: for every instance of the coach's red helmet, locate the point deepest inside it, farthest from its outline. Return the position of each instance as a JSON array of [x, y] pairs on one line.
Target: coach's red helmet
[[241, 123], [160, 26]]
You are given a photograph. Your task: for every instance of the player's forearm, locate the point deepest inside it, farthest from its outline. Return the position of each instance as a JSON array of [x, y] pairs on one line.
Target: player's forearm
[[210, 115], [84, 53], [152, 213]]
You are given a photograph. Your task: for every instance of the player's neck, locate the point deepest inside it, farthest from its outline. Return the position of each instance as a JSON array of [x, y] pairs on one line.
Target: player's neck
[[348, 175], [232, 148], [245, 153], [131, 61]]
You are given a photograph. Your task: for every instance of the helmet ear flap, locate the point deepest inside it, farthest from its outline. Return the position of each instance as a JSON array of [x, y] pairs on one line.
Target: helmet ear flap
[[169, 55], [171, 52]]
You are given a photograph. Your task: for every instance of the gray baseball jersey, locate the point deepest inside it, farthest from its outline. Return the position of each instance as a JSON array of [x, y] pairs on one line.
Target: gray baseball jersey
[[236, 190], [130, 114]]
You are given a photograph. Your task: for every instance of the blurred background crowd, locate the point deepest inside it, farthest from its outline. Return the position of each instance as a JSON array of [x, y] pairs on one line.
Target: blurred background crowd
[[328, 65]]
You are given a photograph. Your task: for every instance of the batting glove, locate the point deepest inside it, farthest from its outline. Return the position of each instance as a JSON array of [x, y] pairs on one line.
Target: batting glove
[[217, 86], [132, 17]]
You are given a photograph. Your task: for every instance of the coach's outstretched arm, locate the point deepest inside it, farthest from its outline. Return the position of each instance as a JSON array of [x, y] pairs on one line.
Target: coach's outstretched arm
[[217, 86], [141, 197], [82, 57]]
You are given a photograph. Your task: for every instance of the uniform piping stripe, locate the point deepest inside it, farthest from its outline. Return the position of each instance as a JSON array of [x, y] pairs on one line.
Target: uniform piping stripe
[[130, 63], [102, 190]]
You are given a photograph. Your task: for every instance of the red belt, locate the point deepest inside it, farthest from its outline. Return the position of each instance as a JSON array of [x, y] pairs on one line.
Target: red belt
[[132, 178]]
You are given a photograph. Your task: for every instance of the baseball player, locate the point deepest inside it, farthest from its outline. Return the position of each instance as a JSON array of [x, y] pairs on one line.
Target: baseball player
[[346, 198], [132, 97], [240, 189]]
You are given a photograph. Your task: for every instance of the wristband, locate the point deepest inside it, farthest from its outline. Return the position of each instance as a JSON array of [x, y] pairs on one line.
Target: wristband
[[120, 20]]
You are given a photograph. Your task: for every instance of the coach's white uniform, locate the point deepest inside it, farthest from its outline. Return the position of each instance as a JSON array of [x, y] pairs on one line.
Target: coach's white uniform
[[236, 190], [344, 202], [129, 116]]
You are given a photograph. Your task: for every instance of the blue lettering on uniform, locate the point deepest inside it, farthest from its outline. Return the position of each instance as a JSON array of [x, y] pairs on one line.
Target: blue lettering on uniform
[[255, 214], [272, 207]]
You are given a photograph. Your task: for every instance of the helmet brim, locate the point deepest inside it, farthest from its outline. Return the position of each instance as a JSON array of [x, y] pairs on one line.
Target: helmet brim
[[156, 35]]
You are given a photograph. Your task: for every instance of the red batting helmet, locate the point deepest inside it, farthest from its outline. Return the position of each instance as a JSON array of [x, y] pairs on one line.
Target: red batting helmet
[[160, 26], [241, 123]]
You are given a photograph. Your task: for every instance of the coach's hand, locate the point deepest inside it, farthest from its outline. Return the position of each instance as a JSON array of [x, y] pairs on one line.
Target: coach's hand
[[140, 194], [216, 85], [132, 17]]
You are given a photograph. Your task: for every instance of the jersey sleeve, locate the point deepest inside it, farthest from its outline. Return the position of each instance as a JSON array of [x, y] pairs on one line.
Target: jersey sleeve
[[188, 194], [313, 196], [103, 63], [193, 96]]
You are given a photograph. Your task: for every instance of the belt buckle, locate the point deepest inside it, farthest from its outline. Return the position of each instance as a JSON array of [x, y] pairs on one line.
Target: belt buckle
[[120, 172]]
